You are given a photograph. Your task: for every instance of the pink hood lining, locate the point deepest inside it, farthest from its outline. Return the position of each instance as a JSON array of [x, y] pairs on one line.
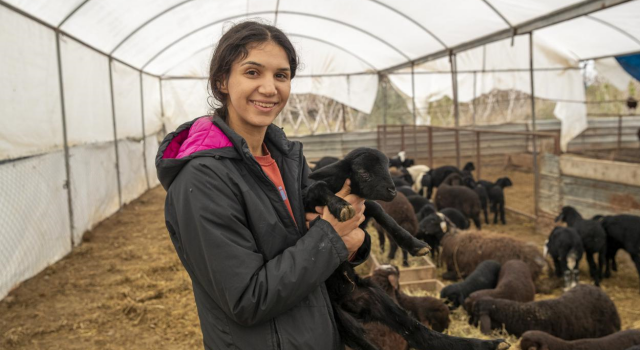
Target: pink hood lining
[[202, 135]]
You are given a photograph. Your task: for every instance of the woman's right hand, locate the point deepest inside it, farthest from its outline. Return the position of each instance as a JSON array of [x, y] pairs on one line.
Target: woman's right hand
[[346, 227]]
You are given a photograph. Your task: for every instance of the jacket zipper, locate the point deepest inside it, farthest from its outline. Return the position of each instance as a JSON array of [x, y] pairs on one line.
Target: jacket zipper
[[278, 342]]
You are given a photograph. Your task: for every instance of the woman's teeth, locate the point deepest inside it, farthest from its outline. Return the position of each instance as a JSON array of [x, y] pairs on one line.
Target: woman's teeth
[[265, 105]]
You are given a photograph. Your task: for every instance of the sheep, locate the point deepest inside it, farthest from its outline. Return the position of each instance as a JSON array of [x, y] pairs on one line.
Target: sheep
[[430, 311], [514, 283], [434, 177], [431, 229], [583, 312], [485, 276], [400, 181], [623, 232], [482, 194], [417, 172], [418, 202], [537, 340], [452, 194], [355, 300], [593, 237], [426, 210], [401, 161], [463, 251], [324, 161], [565, 246], [496, 198], [456, 218], [406, 190], [400, 210]]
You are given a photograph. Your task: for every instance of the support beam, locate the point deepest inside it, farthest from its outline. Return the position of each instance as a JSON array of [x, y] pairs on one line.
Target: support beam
[[456, 111], [144, 134], [413, 94], [561, 15], [65, 141], [115, 132], [385, 85], [536, 182]]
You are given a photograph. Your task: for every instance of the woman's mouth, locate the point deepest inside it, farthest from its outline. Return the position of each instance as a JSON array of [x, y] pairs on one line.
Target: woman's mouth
[[264, 106]]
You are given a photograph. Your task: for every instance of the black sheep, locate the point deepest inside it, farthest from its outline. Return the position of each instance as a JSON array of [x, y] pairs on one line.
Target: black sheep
[[485, 276], [593, 237], [456, 217], [323, 162], [452, 194], [431, 229], [401, 161], [496, 198], [482, 194], [426, 210], [401, 211], [418, 202], [434, 177], [537, 340], [514, 283], [623, 232], [565, 246], [583, 312], [406, 190], [357, 301]]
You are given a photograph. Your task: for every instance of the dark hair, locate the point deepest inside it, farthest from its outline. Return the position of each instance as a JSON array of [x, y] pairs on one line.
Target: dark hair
[[234, 45]]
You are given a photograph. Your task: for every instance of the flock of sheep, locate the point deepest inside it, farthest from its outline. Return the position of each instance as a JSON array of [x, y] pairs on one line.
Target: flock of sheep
[[500, 275]]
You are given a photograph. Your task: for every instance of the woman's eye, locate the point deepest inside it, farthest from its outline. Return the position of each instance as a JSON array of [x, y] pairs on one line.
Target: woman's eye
[[282, 76], [252, 72]]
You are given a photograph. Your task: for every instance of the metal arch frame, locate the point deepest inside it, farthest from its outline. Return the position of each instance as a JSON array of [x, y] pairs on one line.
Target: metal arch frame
[[614, 27], [561, 15], [270, 12], [72, 13], [499, 14], [290, 35], [412, 21]]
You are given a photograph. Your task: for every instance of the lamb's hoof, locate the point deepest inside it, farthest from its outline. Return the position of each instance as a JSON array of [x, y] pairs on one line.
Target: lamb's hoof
[[503, 345], [347, 213], [422, 251]]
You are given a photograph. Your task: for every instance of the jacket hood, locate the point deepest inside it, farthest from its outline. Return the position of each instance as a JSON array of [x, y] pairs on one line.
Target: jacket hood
[[208, 136]]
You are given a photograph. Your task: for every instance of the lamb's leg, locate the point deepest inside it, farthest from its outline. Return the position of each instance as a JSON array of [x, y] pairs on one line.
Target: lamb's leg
[[393, 248], [502, 219], [592, 268], [351, 331], [476, 221], [494, 210], [558, 267], [369, 303], [429, 191], [403, 238], [636, 259], [405, 258], [382, 239], [486, 214], [602, 257], [319, 194]]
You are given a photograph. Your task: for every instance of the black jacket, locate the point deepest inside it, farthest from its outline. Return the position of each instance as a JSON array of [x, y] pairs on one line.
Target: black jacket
[[258, 279]]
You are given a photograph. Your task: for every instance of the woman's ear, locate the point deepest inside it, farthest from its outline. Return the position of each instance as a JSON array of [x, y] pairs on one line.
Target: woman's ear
[[222, 85]]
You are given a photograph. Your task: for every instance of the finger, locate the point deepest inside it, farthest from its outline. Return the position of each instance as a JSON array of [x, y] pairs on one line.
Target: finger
[[345, 190], [319, 209]]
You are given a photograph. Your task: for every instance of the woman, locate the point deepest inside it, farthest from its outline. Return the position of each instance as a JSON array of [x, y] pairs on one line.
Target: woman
[[234, 207]]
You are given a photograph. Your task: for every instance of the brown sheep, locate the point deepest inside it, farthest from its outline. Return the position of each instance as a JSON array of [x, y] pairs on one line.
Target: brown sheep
[[514, 283], [452, 194], [537, 340], [463, 251], [401, 210]]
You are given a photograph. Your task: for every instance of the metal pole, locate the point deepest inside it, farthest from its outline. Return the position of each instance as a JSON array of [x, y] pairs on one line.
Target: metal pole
[[430, 146], [536, 184], [164, 126], [479, 164], [456, 112], [384, 138], [67, 166], [384, 101], [144, 135], [473, 102], [344, 119], [619, 132], [413, 93], [415, 141], [402, 137], [115, 132]]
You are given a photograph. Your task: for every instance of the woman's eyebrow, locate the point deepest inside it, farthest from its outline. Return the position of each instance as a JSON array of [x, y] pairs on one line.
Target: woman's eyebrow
[[253, 63]]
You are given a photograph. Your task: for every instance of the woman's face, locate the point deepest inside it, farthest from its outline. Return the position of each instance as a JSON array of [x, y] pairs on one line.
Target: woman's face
[[258, 86]]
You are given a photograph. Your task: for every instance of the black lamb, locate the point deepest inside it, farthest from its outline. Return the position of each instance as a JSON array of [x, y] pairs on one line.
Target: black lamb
[[323, 162], [357, 301], [418, 202], [623, 232], [537, 340], [496, 198], [434, 177], [565, 247], [482, 194], [593, 237], [485, 276], [583, 312], [406, 190], [456, 217]]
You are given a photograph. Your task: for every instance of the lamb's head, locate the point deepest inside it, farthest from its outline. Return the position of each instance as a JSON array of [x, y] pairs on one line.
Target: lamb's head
[[569, 215], [534, 340], [504, 182], [387, 277], [469, 167]]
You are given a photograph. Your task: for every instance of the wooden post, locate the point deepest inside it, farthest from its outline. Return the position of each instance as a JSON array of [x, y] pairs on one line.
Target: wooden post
[[402, 137], [478, 163], [430, 147], [619, 132], [536, 182], [457, 135]]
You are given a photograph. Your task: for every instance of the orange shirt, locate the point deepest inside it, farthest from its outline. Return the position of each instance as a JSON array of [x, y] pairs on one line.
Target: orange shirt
[[270, 167]]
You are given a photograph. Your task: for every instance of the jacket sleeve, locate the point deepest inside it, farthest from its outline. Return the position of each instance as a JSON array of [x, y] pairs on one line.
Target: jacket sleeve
[[220, 252]]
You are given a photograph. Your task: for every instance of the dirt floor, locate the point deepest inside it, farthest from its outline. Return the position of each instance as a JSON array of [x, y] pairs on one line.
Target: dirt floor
[[124, 287]]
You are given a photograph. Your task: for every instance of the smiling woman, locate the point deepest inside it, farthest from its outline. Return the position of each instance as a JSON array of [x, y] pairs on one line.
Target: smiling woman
[[258, 263]]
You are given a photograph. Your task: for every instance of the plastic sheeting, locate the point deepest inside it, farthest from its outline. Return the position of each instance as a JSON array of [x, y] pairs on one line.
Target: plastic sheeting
[[152, 108], [132, 173], [126, 87], [609, 69], [31, 121], [94, 186], [34, 225], [151, 149]]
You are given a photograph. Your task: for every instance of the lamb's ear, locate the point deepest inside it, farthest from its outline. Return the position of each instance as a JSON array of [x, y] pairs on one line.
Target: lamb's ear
[[331, 170], [559, 217], [393, 279]]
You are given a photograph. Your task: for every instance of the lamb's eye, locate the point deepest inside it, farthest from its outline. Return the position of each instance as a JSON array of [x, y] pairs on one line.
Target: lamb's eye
[[365, 176]]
